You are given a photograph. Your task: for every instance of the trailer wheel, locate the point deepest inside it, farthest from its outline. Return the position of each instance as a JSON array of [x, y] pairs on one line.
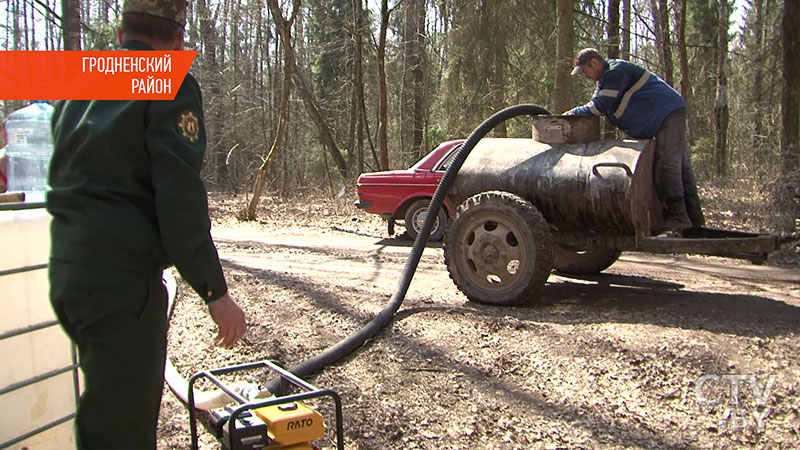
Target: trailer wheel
[[568, 259], [415, 218], [498, 249]]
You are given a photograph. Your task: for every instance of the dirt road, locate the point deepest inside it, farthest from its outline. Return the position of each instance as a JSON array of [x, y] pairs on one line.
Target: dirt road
[[645, 355]]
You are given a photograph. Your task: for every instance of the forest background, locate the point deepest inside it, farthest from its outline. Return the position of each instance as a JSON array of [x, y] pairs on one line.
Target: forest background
[[302, 96]]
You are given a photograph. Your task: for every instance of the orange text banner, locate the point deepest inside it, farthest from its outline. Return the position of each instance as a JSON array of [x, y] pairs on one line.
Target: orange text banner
[[92, 75]]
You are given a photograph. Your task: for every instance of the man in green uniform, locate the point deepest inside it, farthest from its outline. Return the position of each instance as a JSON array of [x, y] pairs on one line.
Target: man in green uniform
[[127, 200]]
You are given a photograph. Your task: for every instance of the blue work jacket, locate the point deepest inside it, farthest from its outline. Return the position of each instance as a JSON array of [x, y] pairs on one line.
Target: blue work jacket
[[634, 99]]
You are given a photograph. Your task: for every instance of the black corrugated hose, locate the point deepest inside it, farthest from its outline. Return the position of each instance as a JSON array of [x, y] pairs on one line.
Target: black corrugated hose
[[351, 343]]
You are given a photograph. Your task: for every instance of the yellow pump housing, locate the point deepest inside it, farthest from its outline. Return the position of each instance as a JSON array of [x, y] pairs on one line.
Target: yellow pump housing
[[291, 423]]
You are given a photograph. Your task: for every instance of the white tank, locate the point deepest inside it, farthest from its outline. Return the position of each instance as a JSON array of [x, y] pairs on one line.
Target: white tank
[[26, 354]]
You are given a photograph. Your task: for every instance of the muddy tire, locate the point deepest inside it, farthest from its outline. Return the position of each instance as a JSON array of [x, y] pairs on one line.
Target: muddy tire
[[415, 217], [498, 249], [583, 262]]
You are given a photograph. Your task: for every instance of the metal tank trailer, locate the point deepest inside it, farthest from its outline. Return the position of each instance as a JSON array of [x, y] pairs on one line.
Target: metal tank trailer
[[565, 200]]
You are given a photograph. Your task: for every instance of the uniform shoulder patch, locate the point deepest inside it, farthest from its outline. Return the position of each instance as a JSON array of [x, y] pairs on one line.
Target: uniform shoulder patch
[[189, 126]]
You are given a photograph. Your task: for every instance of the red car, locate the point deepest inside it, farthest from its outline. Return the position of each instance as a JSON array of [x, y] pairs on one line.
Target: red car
[[405, 194]]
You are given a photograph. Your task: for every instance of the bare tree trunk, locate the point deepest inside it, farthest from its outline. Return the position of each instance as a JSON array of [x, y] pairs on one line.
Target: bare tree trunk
[[414, 74], [499, 54], [354, 111], [790, 102], [50, 34], [284, 27], [368, 133], [358, 81], [16, 29], [25, 28], [758, 28], [562, 89], [213, 76], [683, 57], [383, 96], [613, 29], [325, 130], [33, 43], [626, 30], [661, 16], [86, 17], [263, 74], [609, 131], [721, 108], [353, 121], [233, 68]]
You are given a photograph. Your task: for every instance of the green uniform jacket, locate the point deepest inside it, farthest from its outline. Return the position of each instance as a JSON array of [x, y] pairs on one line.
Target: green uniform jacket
[[126, 190]]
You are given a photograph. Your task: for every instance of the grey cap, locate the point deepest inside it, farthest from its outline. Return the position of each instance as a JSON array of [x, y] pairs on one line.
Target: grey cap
[[174, 10], [583, 57]]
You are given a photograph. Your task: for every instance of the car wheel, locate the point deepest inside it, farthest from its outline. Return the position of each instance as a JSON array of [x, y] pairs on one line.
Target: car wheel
[[591, 261], [415, 218], [498, 249]]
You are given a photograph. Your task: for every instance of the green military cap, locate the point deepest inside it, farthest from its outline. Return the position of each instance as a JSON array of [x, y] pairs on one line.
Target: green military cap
[[174, 10]]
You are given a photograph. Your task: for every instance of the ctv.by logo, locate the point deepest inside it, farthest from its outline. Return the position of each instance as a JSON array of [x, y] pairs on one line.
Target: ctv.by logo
[[709, 391]]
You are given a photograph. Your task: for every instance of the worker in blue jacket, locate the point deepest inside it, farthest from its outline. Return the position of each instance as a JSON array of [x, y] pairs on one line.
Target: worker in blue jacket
[[643, 106]]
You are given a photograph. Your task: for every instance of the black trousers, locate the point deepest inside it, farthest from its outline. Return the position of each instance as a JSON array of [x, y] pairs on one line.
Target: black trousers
[[117, 318]]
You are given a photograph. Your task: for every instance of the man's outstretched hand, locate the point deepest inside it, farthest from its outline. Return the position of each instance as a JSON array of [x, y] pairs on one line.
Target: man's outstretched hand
[[229, 317]]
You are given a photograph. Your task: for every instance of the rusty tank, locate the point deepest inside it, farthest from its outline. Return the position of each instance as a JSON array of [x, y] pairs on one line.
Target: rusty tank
[[599, 186], [568, 201]]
